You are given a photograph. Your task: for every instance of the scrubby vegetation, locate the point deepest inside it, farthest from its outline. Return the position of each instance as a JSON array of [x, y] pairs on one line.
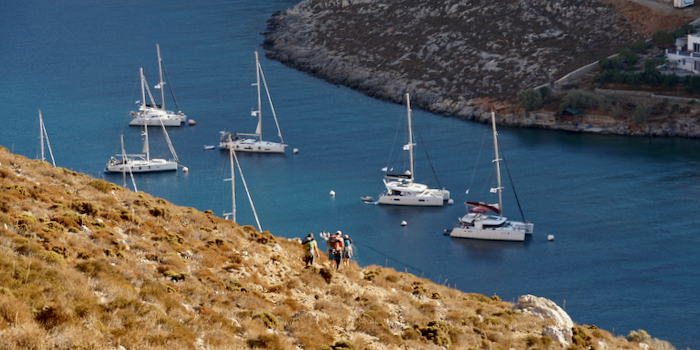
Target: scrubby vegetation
[[91, 265]]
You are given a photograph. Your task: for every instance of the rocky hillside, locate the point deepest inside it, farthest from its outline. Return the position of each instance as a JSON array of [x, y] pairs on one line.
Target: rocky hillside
[[457, 57], [87, 264]]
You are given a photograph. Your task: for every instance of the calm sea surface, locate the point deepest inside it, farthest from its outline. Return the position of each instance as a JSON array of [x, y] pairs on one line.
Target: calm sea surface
[[623, 210]]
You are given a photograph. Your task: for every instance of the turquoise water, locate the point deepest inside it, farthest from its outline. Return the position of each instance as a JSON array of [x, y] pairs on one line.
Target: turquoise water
[[623, 210]]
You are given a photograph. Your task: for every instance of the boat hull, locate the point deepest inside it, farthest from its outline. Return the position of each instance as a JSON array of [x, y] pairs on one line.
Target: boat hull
[[493, 234], [421, 201], [175, 121], [143, 167], [248, 145]]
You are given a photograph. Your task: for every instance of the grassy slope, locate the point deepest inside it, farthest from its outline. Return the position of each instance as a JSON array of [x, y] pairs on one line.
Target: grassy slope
[[90, 265]]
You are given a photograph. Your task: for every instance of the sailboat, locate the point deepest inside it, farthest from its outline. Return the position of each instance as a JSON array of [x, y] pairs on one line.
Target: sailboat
[[143, 163], [478, 224], [43, 135], [152, 113], [246, 142], [232, 214], [401, 188]]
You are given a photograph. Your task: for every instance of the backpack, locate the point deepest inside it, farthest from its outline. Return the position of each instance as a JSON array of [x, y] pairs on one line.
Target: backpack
[[336, 243], [308, 245]]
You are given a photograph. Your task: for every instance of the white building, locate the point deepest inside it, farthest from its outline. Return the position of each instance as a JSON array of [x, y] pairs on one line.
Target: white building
[[686, 56]]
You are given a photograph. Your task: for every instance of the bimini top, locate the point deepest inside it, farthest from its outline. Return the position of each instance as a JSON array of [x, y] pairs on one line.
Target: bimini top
[[481, 207]]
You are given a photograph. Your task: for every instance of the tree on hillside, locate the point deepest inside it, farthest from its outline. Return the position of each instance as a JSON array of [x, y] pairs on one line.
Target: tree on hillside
[[530, 99], [663, 39]]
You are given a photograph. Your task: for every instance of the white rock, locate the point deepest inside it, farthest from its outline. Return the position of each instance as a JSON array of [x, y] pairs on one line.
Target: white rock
[[547, 309]]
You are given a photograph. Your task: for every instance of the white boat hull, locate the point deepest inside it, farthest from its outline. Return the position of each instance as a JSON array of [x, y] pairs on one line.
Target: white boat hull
[[154, 118], [252, 145], [511, 231], [153, 165], [494, 234], [425, 201]]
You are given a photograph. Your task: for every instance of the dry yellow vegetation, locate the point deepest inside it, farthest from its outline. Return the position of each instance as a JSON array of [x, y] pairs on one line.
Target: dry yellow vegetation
[[87, 264]]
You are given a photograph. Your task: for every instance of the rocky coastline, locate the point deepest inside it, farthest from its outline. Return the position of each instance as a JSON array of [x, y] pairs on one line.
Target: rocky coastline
[[458, 58]]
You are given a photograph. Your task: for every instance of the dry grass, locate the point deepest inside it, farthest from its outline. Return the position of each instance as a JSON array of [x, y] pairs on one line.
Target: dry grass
[[89, 265]]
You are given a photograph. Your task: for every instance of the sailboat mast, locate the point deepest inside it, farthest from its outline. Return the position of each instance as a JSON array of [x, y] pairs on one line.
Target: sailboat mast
[[497, 161], [41, 136], [160, 79], [146, 149], [410, 134], [233, 188], [143, 89], [258, 130]]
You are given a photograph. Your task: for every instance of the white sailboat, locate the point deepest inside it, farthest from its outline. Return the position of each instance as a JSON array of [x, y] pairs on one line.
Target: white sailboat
[[152, 113], [43, 135], [232, 214], [402, 190], [478, 224], [246, 142], [143, 163]]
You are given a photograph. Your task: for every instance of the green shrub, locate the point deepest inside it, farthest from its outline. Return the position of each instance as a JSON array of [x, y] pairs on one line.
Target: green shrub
[[530, 99], [639, 46], [663, 39], [52, 258], [583, 99], [103, 186], [268, 319], [86, 207], [641, 113], [160, 212], [639, 336]]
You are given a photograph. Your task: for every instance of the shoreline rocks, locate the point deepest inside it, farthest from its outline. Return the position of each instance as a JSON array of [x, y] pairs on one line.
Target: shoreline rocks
[[456, 58]]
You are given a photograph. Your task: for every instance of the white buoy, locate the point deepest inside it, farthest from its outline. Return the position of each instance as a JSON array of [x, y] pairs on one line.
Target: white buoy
[[191, 122], [332, 193], [296, 150], [184, 169], [450, 201], [550, 237], [404, 223]]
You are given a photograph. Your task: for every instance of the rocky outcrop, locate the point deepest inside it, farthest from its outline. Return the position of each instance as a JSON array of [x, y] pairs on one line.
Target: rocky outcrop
[[446, 53], [547, 309], [460, 58]]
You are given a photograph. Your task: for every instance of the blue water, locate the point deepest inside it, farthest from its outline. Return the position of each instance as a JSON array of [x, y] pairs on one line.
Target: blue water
[[623, 210]]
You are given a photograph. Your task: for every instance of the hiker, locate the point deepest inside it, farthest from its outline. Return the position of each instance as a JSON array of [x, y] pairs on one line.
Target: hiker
[[336, 242], [326, 236], [347, 250], [310, 249]]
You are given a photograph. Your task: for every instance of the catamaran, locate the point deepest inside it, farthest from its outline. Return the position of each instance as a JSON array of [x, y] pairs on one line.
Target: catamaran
[[478, 224], [246, 142], [152, 113], [401, 188]]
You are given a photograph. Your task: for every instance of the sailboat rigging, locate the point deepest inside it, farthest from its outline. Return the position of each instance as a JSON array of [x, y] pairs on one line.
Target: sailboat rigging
[[477, 224], [253, 142], [152, 113], [232, 156], [43, 135], [401, 188]]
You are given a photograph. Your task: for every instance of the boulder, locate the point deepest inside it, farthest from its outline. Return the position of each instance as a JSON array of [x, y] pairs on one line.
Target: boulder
[[547, 309]]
